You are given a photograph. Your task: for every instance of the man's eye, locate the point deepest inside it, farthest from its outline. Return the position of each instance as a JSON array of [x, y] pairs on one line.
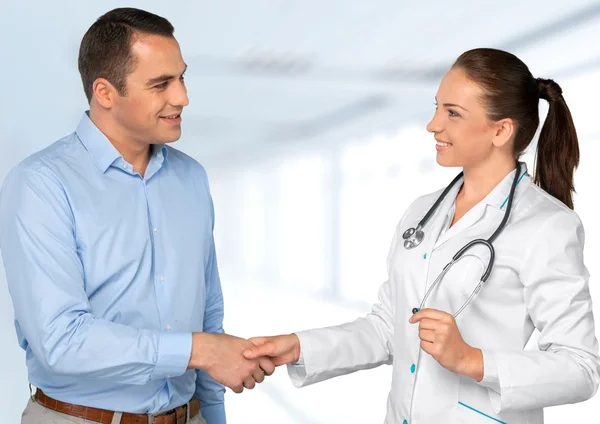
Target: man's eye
[[162, 85]]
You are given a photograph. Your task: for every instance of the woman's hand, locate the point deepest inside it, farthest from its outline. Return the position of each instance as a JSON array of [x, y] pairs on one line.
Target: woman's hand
[[441, 339], [281, 350]]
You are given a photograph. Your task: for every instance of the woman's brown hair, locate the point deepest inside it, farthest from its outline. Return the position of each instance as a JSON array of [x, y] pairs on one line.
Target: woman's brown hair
[[511, 91]]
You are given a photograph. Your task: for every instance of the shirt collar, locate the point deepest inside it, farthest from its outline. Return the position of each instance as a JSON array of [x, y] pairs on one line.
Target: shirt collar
[[102, 150], [498, 197], [99, 147], [160, 151]]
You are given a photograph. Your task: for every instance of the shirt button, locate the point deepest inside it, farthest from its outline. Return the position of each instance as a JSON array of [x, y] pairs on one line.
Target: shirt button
[[168, 327], [162, 278], [413, 368], [155, 230], [124, 166]]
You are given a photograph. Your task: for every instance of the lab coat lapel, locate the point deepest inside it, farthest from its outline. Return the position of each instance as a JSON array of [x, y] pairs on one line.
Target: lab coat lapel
[[494, 203], [468, 220], [417, 273]]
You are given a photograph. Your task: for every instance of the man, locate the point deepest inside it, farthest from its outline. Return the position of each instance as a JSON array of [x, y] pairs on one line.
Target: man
[[107, 241]]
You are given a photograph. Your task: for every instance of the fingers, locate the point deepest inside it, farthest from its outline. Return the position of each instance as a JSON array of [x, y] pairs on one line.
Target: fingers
[[427, 335], [428, 324], [255, 376], [263, 369], [267, 366], [258, 375], [431, 348], [250, 382], [433, 314]]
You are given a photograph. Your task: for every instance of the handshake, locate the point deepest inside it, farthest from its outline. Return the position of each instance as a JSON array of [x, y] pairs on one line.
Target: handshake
[[238, 363]]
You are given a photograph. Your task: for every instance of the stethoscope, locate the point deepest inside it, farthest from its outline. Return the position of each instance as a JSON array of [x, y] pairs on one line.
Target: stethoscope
[[414, 236]]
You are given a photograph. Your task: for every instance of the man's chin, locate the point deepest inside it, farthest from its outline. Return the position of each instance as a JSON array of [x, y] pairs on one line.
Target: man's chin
[[171, 138]]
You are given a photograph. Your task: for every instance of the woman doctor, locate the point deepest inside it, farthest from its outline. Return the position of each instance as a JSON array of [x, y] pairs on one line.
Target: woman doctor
[[471, 366]]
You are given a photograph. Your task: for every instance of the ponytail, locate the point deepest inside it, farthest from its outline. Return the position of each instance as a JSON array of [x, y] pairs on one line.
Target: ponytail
[[557, 154], [510, 91]]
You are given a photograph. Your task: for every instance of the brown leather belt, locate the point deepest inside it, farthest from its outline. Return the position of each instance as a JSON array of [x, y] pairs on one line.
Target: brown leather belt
[[174, 416]]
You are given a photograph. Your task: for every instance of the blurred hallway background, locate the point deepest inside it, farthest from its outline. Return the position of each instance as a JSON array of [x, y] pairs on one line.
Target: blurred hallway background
[[309, 117]]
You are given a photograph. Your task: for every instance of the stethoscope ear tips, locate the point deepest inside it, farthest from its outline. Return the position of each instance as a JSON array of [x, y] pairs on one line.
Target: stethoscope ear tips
[[415, 310]]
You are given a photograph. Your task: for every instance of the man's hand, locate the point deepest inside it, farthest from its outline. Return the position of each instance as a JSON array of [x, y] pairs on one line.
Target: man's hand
[[220, 355], [281, 350]]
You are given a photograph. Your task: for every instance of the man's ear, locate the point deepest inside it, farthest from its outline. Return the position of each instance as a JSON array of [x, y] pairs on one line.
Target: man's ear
[[104, 92]]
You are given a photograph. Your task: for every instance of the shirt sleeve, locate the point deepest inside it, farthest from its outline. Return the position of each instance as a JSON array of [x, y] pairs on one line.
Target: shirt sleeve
[[556, 292], [46, 282], [211, 393], [367, 341]]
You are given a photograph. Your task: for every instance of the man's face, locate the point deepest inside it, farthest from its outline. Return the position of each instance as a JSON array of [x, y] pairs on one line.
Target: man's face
[[150, 111]]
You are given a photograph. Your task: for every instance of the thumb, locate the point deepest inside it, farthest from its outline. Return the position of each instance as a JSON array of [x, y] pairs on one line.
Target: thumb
[[257, 341], [265, 349]]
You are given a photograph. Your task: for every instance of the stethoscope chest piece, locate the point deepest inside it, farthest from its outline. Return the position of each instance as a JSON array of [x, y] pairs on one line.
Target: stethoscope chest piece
[[413, 237]]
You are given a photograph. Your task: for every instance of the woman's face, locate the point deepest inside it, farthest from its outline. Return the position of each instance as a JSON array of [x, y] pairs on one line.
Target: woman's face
[[464, 135]]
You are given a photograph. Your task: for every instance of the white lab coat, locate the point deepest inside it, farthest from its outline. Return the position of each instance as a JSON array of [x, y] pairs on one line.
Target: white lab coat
[[539, 280]]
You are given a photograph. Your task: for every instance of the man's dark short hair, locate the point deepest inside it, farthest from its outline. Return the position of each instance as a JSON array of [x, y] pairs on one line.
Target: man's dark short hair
[[105, 50]]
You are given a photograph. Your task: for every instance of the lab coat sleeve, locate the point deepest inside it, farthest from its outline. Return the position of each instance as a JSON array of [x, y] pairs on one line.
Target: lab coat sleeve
[[362, 344], [566, 368]]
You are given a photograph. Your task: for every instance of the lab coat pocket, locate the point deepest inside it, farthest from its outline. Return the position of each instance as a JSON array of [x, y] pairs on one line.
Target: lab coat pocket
[[474, 406]]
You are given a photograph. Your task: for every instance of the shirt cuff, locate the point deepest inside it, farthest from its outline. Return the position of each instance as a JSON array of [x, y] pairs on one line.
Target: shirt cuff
[[300, 360], [174, 351], [297, 370], [213, 414], [491, 379]]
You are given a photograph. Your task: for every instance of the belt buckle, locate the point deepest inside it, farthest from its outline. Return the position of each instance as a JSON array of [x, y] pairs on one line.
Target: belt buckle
[[180, 413]]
